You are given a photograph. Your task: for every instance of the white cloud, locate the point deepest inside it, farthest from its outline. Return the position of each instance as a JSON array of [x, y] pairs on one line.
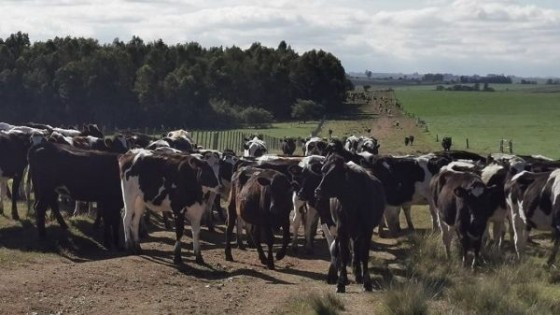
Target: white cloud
[[461, 36]]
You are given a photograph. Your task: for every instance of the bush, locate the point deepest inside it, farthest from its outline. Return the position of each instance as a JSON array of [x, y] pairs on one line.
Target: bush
[[409, 298], [306, 110], [256, 117]]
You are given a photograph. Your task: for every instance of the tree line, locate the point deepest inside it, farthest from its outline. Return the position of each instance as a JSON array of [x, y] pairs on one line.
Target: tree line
[[136, 84]]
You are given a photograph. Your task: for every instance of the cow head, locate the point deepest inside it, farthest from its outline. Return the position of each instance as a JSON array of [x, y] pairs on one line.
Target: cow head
[[370, 145], [315, 146], [116, 144], [91, 130], [333, 171], [279, 189], [474, 209], [254, 147], [288, 145], [309, 177]]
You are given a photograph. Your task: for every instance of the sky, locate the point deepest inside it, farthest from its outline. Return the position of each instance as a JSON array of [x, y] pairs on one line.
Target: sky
[[511, 37]]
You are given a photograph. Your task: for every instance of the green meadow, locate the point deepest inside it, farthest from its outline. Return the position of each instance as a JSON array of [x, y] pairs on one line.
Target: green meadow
[[530, 117]]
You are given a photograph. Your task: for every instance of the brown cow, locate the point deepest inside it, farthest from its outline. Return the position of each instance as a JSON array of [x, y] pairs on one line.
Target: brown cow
[[263, 199]]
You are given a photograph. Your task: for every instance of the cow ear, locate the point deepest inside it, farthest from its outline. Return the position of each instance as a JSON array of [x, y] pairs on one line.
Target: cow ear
[[263, 181], [108, 142], [460, 192]]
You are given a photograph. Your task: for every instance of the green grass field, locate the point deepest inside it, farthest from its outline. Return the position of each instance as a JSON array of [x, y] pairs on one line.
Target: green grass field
[[530, 117]]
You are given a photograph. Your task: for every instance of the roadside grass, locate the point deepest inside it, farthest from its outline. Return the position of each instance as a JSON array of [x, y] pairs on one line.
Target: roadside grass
[[527, 117], [502, 285], [313, 304]]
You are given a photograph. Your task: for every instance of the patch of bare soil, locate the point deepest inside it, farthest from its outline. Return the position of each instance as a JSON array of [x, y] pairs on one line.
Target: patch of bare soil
[[152, 284]]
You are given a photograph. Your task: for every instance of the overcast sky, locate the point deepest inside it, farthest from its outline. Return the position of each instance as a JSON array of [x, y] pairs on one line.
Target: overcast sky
[[520, 37]]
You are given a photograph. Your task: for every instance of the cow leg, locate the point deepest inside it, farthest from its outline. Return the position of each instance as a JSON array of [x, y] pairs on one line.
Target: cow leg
[[165, 218], [231, 221], [56, 212], [520, 234], [406, 210], [310, 227], [239, 226], [194, 214], [219, 209], [179, 228], [357, 261], [447, 237], [3, 192], [435, 216], [332, 276], [297, 219], [256, 235], [556, 234], [41, 205], [209, 218], [133, 210], [392, 218], [28, 185], [285, 240], [270, 244], [364, 249], [15, 192], [344, 258]]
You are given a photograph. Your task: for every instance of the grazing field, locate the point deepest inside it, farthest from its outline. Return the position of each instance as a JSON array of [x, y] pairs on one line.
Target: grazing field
[[527, 116]]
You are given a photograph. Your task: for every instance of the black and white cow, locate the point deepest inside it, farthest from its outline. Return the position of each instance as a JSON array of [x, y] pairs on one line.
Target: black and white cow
[[533, 199], [84, 175], [315, 146], [361, 204], [254, 147], [460, 200], [165, 182], [263, 199]]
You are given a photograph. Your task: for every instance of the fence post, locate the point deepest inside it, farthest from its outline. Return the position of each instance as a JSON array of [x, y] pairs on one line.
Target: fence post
[[511, 146], [467, 143], [501, 145], [215, 144], [437, 137]]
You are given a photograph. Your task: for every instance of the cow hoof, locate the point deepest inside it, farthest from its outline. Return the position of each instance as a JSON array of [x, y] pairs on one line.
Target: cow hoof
[[332, 279], [263, 260], [15, 216], [199, 260], [359, 278], [340, 288], [177, 260], [280, 255], [241, 247], [229, 257], [368, 287], [270, 265]]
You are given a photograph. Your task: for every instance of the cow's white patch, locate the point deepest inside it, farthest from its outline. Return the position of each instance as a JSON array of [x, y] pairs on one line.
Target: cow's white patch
[[386, 165], [91, 140], [489, 171]]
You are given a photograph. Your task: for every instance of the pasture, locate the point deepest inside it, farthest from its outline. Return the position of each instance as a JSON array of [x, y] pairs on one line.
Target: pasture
[[71, 272], [528, 116]]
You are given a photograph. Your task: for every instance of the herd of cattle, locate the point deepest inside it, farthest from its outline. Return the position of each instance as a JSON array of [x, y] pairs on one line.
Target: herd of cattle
[[344, 183]]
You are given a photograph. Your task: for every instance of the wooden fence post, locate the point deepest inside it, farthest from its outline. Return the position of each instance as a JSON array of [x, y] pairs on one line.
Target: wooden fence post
[[216, 138], [511, 146], [467, 143]]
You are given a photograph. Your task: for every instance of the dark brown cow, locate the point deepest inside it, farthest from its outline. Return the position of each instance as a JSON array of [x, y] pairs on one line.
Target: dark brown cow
[[165, 182], [263, 199], [288, 145], [84, 175], [461, 201], [13, 160], [362, 202]]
